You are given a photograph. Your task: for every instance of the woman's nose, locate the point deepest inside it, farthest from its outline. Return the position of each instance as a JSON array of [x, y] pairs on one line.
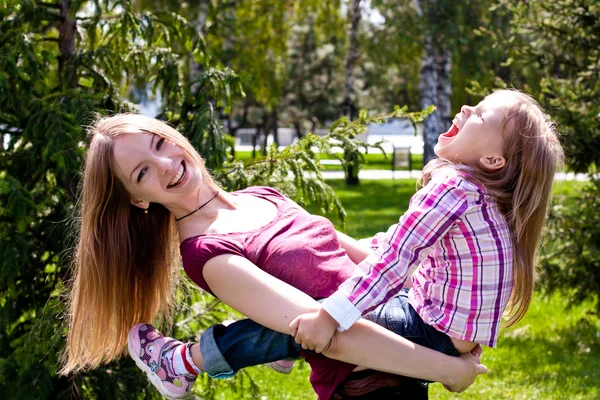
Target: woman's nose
[[165, 165]]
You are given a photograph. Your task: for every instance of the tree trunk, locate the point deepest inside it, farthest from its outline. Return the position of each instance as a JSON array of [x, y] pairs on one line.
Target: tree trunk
[[67, 74], [66, 46], [348, 106], [428, 89], [266, 129], [199, 24], [259, 128], [275, 126], [443, 61], [298, 127]]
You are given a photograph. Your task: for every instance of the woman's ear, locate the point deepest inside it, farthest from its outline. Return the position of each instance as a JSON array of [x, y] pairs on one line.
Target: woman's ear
[[140, 203], [492, 163]]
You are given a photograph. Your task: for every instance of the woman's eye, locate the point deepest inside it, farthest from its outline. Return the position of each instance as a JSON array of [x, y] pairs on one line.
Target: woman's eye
[[142, 173], [160, 143]]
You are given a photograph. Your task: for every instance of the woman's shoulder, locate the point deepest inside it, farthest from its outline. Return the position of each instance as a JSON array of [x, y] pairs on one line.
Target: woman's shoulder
[[262, 191], [206, 244]]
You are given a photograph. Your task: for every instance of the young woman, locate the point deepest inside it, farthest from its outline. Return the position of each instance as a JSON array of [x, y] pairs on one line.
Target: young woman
[[146, 191]]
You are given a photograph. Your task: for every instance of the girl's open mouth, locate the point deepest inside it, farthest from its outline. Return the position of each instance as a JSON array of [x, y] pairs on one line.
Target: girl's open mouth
[[453, 131]]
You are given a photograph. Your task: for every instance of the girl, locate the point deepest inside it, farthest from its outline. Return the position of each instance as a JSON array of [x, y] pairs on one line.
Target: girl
[[144, 190], [471, 232]]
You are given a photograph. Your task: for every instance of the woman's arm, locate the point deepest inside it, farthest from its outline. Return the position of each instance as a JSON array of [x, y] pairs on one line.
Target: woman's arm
[[355, 250], [274, 304]]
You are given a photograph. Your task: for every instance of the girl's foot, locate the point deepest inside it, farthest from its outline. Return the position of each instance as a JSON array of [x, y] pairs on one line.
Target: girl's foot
[[147, 346]]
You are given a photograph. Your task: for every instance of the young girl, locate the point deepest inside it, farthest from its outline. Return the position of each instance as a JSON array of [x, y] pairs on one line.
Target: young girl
[[146, 190], [471, 232]]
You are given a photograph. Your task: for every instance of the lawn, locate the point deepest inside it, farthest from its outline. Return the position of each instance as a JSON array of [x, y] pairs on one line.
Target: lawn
[[552, 353], [372, 161]]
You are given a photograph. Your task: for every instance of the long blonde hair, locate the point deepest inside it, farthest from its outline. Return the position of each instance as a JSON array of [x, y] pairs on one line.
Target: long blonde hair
[[522, 188], [125, 261]]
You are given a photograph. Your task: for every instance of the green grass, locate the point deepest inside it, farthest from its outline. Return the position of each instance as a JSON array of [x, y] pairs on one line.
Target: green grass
[[372, 161], [552, 353]]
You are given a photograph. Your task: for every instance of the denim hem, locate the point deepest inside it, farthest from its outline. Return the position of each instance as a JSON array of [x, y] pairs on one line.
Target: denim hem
[[215, 364]]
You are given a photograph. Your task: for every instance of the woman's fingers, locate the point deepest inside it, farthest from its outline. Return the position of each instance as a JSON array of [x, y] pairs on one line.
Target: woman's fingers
[[294, 326]]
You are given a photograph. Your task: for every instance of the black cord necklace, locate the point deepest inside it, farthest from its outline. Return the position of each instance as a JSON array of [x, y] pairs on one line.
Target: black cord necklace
[[187, 215]]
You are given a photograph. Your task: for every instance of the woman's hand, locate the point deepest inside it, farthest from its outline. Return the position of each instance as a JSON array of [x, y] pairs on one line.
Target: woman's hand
[[471, 368]]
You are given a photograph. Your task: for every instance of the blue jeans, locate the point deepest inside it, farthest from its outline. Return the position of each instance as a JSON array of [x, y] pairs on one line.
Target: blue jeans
[[227, 349]]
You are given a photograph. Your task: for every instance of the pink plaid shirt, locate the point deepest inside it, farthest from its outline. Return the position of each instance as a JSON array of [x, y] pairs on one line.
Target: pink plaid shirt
[[455, 236]]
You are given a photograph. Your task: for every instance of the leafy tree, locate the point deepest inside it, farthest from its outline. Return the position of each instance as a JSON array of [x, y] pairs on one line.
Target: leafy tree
[[559, 43], [60, 62]]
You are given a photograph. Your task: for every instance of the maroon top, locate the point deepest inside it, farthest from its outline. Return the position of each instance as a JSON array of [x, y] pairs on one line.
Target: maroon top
[[280, 249]]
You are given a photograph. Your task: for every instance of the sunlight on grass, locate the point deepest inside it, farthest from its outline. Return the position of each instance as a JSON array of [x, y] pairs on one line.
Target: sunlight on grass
[[372, 161], [552, 353]]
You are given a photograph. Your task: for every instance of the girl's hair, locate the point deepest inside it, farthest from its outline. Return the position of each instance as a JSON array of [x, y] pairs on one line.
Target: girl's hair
[[522, 188], [125, 260]]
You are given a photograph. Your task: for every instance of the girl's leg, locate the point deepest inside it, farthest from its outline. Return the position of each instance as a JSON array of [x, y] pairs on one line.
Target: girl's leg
[[224, 350]]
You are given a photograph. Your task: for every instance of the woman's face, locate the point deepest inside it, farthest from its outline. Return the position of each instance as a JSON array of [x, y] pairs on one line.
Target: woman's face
[[155, 170]]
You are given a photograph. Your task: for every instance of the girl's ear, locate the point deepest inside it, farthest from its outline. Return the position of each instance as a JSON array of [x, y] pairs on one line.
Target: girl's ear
[[140, 203], [492, 163]]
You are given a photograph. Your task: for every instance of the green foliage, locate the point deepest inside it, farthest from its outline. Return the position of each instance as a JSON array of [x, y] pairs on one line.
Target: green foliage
[[55, 73], [551, 354], [557, 44], [51, 83], [561, 40], [571, 256], [287, 169]]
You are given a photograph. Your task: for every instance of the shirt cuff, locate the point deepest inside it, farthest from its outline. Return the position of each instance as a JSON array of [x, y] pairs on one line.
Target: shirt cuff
[[342, 310]]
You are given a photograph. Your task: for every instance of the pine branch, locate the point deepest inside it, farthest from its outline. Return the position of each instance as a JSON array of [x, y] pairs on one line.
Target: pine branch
[[49, 5]]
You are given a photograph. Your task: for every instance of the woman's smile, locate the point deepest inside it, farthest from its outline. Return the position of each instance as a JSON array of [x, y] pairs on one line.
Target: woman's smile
[[179, 176]]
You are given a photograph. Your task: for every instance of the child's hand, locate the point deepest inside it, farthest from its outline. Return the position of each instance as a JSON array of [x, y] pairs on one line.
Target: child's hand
[[314, 330], [462, 379]]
